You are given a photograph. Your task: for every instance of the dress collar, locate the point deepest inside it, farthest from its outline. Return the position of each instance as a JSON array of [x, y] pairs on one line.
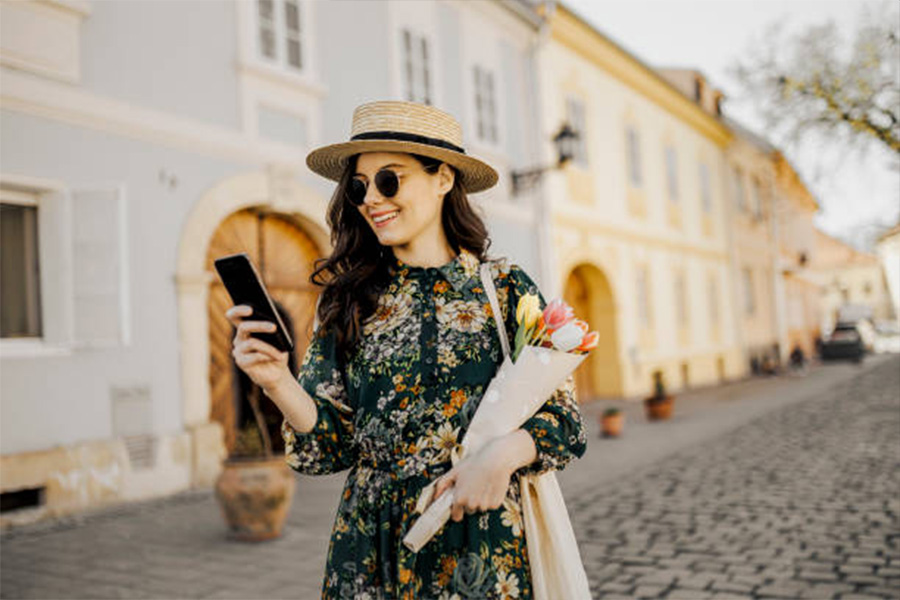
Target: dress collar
[[457, 272]]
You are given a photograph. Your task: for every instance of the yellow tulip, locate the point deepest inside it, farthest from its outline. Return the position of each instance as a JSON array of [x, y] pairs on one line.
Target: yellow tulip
[[529, 310]]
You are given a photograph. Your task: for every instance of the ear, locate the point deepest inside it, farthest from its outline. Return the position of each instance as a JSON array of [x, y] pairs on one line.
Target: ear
[[446, 178]]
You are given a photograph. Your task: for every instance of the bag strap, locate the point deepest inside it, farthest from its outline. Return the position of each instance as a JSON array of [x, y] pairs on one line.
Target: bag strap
[[488, 283]]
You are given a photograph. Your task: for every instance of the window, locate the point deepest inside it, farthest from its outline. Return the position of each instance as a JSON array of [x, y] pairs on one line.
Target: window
[[755, 198], [63, 268], [634, 157], [738, 178], [672, 173], [576, 119], [749, 295], [279, 33], [485, 106], [705, 195], [416, 68], [713, 291], [20, 286], [681, 300], [643, 294]]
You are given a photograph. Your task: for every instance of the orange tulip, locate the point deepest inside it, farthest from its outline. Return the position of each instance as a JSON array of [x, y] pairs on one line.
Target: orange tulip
[[589, 342]]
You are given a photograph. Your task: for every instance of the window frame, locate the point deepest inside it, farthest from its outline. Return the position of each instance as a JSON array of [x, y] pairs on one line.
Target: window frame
[[30, 199], [671, 158], [409, 68], [281, 60], [739, 189], [479, 71], [576, 107], [633, 154], [57, 251], [704, 175]]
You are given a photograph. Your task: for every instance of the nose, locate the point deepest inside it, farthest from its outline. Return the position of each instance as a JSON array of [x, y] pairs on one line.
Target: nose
[[373, 196]]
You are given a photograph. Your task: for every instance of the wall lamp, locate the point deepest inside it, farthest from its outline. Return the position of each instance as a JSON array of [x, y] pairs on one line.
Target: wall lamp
[[565, 140]]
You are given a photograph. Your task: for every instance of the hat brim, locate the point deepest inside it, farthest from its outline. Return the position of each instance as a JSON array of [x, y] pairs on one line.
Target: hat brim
[[330, 161]]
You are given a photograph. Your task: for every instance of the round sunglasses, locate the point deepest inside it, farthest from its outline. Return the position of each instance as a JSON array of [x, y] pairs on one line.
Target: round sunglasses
[[386, 182]]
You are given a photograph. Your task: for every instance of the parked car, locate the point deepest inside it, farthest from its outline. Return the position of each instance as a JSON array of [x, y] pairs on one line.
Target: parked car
[[844, 341], [887, 337]]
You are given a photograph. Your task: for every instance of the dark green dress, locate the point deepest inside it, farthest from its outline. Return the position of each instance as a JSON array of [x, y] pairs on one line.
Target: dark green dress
[[393, 413]]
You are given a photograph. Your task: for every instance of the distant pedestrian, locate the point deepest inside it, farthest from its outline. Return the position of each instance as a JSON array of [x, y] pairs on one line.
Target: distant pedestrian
[[798, 360], [405, 345]]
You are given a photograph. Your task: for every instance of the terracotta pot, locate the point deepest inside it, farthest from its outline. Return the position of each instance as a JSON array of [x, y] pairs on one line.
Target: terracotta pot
[[658, 409], [611, 425], [255, 495]]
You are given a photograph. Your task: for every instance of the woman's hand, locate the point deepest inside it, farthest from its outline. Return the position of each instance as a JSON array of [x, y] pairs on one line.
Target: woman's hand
[[264, 364], [481, 482]]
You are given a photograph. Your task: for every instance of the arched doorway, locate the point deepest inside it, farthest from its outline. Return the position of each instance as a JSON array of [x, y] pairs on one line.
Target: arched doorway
[[284, 255], [588, 292]]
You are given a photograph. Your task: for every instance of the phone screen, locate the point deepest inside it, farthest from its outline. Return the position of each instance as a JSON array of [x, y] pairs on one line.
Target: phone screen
[[245, 286]]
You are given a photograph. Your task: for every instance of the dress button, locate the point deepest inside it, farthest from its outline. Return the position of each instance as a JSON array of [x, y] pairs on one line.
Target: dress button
[[429, 360]]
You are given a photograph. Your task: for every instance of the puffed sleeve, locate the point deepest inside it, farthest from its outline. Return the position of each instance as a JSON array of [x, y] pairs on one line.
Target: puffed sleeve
[[328, 447], [556, 428]]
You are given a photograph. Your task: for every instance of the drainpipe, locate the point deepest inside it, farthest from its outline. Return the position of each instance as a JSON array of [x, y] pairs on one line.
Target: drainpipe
[[778, 295], [734, 272]]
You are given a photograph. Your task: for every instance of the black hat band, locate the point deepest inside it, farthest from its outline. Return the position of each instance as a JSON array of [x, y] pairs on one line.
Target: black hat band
[[407, 137]]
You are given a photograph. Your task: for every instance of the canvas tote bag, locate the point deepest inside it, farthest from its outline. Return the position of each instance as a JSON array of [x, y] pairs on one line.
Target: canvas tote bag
[[557, 572]]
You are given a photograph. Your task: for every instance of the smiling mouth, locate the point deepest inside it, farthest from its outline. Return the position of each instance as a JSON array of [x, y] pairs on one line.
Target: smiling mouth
[[382, 220]]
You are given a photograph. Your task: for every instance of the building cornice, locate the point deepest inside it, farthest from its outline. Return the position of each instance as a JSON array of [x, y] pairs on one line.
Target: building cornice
[[569, 30]]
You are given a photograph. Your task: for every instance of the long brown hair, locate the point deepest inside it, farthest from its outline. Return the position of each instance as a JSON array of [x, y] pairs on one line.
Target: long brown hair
[[358, 269]]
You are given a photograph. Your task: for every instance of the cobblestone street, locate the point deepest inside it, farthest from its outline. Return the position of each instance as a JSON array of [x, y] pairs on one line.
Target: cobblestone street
[[803, 502], [773, 488]]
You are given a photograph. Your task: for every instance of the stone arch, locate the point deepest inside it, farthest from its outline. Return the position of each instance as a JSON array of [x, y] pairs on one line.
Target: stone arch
[[589, 291], [275, 190]]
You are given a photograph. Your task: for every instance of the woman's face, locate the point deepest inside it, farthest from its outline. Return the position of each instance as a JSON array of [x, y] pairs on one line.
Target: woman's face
[[415, 210]]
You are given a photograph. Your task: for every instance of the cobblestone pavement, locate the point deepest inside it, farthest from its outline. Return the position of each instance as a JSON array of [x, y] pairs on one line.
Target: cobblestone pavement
[[802, 502], [752, 490]]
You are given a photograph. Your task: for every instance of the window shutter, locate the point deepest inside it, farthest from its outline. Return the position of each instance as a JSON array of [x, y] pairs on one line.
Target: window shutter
[[100, 302], [55, 243]]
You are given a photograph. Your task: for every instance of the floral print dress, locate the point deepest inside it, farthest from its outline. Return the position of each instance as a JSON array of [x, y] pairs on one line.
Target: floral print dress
[[392, 414]]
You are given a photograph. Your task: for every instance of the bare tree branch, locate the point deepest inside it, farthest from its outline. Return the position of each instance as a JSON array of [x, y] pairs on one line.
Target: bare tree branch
[[815, 82]]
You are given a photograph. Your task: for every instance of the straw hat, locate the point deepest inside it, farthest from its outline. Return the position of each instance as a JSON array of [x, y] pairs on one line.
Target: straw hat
[[394, 126]]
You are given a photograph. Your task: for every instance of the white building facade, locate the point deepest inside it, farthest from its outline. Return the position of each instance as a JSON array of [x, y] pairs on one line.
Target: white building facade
[[142, 139]]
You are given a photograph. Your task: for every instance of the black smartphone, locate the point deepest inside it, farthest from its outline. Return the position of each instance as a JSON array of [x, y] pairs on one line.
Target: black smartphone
[[245, 286]]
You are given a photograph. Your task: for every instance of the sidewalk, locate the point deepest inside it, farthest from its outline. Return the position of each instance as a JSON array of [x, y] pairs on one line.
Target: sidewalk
[[177, 547], [698, 415]]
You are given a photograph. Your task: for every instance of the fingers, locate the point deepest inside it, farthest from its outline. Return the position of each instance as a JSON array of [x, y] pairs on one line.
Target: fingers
[[236, 313], [248, 360], [457, 512], [256, 346], [236, 316], [444, 483]]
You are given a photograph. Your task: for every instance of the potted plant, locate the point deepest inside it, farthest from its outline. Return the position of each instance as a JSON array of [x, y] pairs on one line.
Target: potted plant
[[256, 486], [658, 406], [611, 421]]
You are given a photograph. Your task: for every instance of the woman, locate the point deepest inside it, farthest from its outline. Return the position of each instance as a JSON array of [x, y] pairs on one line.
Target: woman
[[405, 346]]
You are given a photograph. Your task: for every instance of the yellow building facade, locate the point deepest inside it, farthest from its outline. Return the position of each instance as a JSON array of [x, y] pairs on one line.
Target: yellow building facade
[[639, 228], [849, 279], [751, 175], [794, 212]]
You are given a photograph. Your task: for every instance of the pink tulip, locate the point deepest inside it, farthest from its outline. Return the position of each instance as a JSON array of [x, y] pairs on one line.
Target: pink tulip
[[589, 342], [557, 314]]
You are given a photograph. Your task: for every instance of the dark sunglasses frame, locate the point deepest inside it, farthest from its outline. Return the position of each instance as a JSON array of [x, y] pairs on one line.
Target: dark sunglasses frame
[[386, 181]]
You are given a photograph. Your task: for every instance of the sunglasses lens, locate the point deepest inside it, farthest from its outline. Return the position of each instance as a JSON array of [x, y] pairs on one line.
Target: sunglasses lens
[[356, 192], [387, 183]]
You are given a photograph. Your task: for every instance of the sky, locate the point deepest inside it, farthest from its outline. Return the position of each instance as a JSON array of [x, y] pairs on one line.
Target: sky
[[711, 35]]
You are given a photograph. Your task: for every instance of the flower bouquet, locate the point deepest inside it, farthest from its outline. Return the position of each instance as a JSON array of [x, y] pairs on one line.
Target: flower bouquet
[[549, 345]]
